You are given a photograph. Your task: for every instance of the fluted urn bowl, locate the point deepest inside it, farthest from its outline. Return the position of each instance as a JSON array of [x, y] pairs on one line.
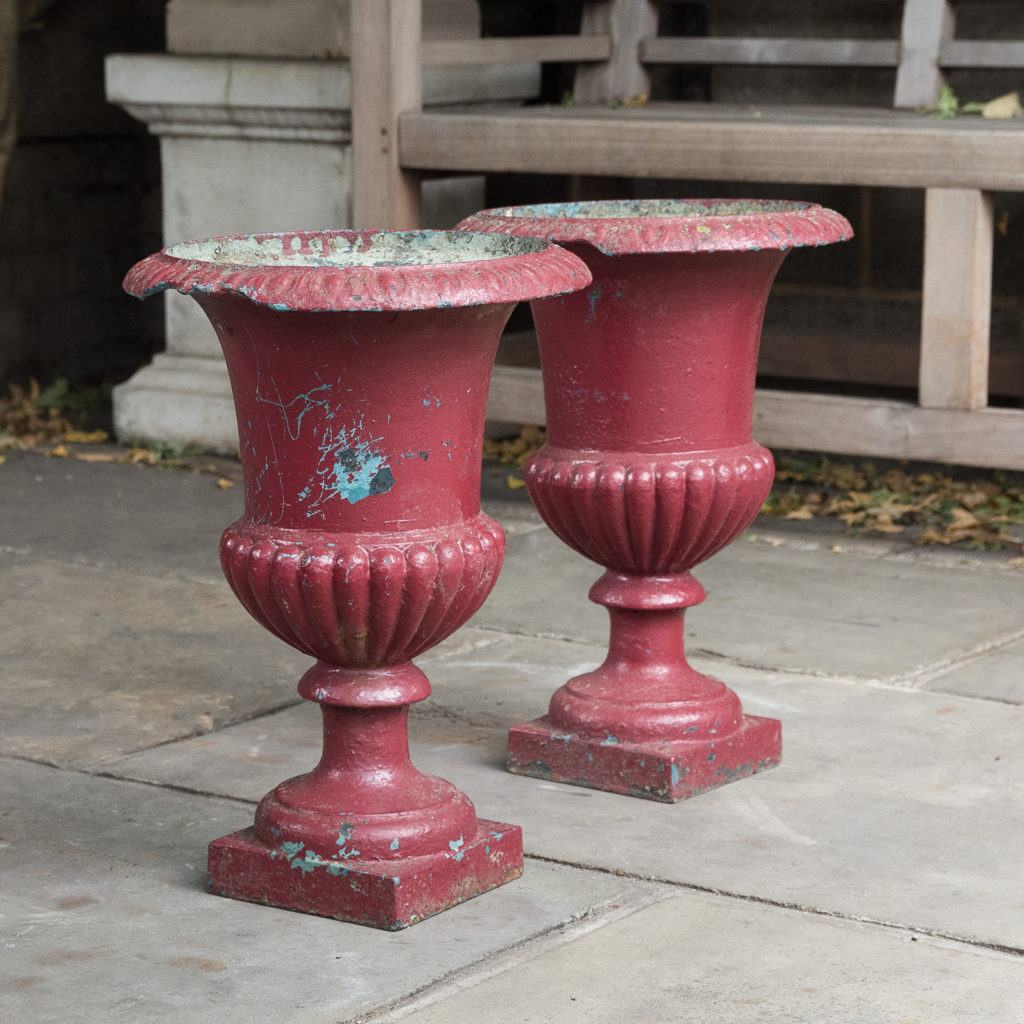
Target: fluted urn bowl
[[650, 467], [359, 364]]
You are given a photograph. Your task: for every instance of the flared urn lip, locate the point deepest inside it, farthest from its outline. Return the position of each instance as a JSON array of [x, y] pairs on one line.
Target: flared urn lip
[[619, 227], [375, 270]]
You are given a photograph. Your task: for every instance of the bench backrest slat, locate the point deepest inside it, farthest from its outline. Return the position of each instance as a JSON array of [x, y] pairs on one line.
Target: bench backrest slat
[[982, 53], [750, 51], [618, 43], [515, 49]]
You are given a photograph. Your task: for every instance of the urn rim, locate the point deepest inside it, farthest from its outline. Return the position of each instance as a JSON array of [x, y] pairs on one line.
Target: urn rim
[[619, 227], [353, 270]]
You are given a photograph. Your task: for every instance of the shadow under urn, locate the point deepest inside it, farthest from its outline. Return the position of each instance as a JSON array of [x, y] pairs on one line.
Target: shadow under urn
[[359, 364], [650, 468]]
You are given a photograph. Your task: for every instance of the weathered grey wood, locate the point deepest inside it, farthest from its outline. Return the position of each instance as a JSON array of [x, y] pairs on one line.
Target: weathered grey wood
[[514, 50], [956, 161], [927, 26], [516, 395], [622, 76], [830, 423], [957, 299], [894, 150], [386, 81], [982, 53], [895, 430], [737, 50]]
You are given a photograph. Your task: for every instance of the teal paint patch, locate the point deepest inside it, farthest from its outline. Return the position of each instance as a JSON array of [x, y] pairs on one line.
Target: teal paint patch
[[609, 741], [350, 466], [345, 831], [305, 865], [394, 844], [359, 473]]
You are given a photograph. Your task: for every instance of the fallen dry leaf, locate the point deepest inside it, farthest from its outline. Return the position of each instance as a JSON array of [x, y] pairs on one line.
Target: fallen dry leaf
[[143, 455], [60, 452], [516, 450], [1003, 107], [513, 483], [102, 457], [86, 436], [223, 483]]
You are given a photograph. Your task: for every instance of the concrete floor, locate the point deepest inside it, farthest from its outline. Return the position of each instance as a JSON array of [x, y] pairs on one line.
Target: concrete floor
[[876, 876]]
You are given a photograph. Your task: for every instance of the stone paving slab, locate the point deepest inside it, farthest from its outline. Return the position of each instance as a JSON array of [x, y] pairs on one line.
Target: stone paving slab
[[139, 518], [891, 805], [999, 675], [793, 608], [701, 958], [99, 662], [105, 918]]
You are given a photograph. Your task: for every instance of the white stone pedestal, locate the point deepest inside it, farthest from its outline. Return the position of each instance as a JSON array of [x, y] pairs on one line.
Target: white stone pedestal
[[248, 144]]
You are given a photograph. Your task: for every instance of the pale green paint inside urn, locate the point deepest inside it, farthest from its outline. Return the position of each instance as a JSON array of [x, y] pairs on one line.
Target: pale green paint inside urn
[[384, 249], [603, 209]]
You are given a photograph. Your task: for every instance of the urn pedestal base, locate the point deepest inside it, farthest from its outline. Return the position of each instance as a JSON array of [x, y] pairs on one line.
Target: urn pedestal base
[[389, 894], [664, 770]]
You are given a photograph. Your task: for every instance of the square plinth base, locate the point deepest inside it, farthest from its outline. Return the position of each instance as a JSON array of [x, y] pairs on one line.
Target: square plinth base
[[665, 770], [389, 894]]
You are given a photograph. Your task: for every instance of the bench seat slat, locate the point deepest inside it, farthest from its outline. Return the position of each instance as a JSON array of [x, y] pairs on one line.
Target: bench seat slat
[[880, 148]]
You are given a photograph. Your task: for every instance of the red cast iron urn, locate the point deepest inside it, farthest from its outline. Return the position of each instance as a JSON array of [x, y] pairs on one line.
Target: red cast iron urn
[[650, 467], [359, 366]]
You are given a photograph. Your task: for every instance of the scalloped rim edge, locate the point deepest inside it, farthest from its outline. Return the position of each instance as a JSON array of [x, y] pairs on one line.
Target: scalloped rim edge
[[804, 224], [381, 288]]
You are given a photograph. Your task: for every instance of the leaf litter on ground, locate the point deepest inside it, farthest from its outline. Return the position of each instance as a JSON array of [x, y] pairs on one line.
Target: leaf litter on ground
[[50, 419]]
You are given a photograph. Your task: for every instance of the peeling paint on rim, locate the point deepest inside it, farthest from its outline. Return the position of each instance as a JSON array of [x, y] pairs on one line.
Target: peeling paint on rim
[[333, 270], [622, 226]]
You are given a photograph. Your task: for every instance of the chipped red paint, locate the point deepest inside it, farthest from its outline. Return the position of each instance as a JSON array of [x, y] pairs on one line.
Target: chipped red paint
[[650, 468], [359, 365]]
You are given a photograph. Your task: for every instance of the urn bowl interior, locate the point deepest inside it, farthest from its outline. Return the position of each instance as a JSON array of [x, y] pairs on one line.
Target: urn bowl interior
[[613, 208], [343, 249]]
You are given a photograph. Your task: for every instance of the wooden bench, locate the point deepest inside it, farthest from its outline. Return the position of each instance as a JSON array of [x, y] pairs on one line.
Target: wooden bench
[[959, 163]]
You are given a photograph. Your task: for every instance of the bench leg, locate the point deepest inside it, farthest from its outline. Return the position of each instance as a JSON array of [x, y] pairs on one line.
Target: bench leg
[[623, 76], [386, 39], [957, 299]]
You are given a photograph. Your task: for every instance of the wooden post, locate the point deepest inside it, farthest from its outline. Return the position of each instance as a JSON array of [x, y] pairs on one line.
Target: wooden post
[[927, 24], [628, 22], [957, 299], [386, 82]]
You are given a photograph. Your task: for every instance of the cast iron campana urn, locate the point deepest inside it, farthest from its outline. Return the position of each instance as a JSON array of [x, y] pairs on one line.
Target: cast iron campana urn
[[650, 468], [359, 366]]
